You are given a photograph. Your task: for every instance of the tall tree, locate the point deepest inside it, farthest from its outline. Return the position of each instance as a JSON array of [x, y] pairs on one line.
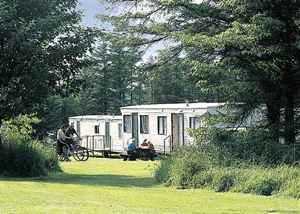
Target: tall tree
[[167, 81], [112, 81], [54, 112], [248, 50], [41, 47]]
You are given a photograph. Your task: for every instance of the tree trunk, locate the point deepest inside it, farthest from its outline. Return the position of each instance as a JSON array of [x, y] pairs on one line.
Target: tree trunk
[[273, 117], [289, 109], [1, 118], [288, 81]]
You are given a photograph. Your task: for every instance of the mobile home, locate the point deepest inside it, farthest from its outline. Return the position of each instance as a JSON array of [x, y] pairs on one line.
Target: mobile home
[[100, 133], [163, 124]]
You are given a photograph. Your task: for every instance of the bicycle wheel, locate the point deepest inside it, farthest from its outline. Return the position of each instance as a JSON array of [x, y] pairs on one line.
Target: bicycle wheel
[[80, 153]]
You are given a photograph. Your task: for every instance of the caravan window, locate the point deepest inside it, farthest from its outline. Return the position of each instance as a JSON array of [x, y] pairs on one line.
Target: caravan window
[[194, 122], [144, 124], [97, 129], [127, 123], [78, 127], [120, 133], [162, 125]]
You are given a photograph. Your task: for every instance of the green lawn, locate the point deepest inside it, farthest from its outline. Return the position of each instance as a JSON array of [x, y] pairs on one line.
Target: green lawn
[[114, 186]]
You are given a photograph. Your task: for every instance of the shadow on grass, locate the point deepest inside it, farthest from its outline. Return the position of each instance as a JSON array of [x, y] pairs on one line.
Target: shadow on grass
[[91, 180]]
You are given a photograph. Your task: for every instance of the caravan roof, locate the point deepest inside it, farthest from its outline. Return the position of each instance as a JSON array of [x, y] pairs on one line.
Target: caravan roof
[[173, 106], [95, 117]]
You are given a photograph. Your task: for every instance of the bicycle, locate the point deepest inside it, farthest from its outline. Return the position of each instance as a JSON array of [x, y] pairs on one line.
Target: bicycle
[[78, 152]]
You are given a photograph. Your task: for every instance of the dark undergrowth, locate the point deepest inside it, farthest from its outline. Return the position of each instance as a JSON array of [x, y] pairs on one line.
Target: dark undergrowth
[[22, 156]]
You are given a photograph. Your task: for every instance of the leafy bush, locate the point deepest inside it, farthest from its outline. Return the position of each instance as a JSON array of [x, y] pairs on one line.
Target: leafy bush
[[248, 145], [221, 159], [20, 156], [208, 166], [184, 163]]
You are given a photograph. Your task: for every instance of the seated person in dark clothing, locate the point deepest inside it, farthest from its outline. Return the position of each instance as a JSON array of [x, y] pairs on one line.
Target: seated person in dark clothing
[[151, 146], [152, 151], [131, 150], [69, 133]]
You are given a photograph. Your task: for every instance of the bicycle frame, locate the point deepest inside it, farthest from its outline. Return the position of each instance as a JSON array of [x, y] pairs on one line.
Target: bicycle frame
[[78, 152]]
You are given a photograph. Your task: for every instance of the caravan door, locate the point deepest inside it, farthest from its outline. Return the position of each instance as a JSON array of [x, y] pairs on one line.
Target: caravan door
[[135, 128], [177, 129], [107, 136]]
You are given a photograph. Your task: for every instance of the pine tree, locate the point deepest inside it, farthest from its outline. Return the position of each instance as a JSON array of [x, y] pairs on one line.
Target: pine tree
[[244, 51]]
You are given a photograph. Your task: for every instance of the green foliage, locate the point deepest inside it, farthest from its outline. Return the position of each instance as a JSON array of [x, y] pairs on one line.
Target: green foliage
[[112, 81], [18, 128], [251, 145], [180, 168], [167, 80], [203, 167], [27, 159], [230, 50], [238, 160], [41, 46], [20, 156], [54, 112]]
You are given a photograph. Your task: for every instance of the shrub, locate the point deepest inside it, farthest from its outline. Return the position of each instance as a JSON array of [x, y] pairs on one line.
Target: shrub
[[223, 180], [245, 161], [183, 164], [20, 156], [162, 170], [257, 180], [209, 167], [252, 145]]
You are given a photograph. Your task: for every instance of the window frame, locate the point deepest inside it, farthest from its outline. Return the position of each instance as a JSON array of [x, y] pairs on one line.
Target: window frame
[[120, 130], [162, 121], [144, 124], [97, 129], [127, 124], [195, 123], [78, 127]]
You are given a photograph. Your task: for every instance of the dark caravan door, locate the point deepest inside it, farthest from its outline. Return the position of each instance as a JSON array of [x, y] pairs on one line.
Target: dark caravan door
[[107, 135], [180, 129], [135, 129], [177, 129]]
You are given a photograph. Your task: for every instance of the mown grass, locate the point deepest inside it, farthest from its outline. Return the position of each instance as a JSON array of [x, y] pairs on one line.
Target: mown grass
[[113, 186]]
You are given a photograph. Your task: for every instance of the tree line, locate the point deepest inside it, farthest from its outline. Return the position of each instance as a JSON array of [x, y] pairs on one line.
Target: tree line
[[244, 53]]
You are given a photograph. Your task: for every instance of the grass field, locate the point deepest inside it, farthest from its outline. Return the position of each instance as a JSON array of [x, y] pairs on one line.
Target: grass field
[[114, 186]]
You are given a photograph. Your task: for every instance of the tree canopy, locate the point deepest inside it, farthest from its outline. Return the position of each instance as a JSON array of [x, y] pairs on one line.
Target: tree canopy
[[41, 47], [112, 81], [244, 51]]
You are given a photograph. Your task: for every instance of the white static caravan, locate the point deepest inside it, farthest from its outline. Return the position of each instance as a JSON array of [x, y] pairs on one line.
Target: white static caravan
[[100, 133], [163, 124]]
